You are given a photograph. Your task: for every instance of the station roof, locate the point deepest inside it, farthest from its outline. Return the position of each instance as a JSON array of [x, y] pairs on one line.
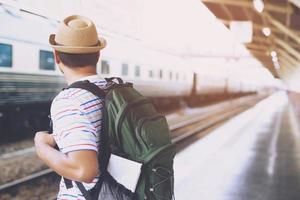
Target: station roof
[[283, 19]]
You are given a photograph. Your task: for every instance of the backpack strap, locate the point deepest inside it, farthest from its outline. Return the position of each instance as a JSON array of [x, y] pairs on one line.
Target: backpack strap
[[68, 183], [111, 79], [94, 89], [87, 85], [83, 191]]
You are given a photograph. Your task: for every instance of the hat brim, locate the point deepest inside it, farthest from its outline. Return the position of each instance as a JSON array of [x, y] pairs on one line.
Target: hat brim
[[76, 49]]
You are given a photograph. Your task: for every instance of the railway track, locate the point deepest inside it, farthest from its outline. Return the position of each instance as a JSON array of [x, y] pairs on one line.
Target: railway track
[[181, 128]]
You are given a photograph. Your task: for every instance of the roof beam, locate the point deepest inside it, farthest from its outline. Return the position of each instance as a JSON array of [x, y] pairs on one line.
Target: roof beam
[[267, 62], [295, 2], [248, 15], [286, 64], [250, 18], [291, 50], [257, 47], [292, 65], [264, 41], [249, 4], [283, 28], [294, 45], [287, 57], [226, 10], [259, 27], [259, 53], [265, 59], [261, 40], [287, 21], [283, 73]]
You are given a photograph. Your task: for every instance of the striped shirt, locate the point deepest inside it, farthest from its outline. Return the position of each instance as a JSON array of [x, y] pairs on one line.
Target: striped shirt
[[76, 116]]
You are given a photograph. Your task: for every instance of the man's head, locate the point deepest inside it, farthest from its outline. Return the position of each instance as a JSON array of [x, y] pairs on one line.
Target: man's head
[[75, 61], [76, 43]]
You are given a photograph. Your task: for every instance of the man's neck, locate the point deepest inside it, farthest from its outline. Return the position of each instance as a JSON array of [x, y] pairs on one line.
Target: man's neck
[[72, 75], [74, 78]]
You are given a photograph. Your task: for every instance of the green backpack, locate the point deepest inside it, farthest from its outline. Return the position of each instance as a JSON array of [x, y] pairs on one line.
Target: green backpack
[[132, 129]]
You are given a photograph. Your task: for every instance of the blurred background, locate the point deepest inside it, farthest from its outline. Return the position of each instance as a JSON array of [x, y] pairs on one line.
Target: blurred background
[[199, 61]]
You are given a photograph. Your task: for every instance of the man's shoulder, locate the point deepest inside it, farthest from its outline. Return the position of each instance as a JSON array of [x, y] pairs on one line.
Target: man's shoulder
[[76, 96], [67, 95]]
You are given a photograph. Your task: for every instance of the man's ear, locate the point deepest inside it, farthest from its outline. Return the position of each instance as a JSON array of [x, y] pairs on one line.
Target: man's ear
[[56, 57]]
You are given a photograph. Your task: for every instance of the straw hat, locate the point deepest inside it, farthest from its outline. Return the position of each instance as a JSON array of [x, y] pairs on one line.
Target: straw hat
[[78, 35]]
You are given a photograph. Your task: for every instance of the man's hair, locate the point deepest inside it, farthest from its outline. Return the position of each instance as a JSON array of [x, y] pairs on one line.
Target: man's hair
[[78, 60]]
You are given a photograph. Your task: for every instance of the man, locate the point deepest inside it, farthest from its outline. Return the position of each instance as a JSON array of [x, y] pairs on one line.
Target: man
[[76, 113]]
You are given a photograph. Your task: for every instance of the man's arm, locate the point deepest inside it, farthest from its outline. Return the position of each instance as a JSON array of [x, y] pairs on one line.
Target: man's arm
[[81, 165]]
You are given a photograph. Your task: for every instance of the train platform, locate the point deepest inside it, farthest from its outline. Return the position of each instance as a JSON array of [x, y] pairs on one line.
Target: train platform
[[255, 155]]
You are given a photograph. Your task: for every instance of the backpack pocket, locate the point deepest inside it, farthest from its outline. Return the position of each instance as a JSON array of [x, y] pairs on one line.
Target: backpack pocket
[[152, 132], [160, 181], [109, 189]]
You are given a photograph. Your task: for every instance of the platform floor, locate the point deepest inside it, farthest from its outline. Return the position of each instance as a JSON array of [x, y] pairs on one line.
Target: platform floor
[[255, 156]]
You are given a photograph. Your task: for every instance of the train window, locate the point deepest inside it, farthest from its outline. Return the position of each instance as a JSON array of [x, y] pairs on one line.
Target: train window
[[137, 71], [47, 60], [151, 74], [5, 55], [104, 67], [124, 69], [160, 74], [170, 75]]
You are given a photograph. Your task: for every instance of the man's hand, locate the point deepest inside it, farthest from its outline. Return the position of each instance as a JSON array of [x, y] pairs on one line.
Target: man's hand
[[44, 138], [42, 141]]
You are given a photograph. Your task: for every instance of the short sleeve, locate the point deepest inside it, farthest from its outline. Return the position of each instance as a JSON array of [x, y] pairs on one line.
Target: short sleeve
[[71, 128]]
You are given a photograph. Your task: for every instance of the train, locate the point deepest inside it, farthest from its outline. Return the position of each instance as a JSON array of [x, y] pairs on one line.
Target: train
[[29, 78]]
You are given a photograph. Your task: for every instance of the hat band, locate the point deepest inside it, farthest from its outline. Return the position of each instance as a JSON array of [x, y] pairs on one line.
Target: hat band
[[97, 44]]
